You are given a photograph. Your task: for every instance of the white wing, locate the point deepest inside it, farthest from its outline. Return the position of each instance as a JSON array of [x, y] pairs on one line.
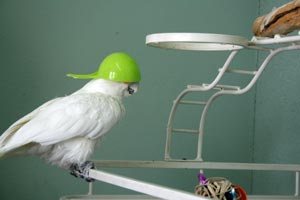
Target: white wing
[[18, 124], [68, 117]]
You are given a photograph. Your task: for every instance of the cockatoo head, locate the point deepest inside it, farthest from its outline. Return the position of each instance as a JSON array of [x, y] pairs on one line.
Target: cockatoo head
[[112, 88], [118, 72]]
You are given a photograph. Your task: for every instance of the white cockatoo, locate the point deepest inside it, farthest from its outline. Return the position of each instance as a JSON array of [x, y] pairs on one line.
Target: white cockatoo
[[65, 130]]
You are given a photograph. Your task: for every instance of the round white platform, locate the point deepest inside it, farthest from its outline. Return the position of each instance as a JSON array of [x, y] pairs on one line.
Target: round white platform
[[196, 41]]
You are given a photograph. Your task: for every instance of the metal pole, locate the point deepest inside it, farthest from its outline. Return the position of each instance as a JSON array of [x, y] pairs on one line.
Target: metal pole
[[143, 187], [297, 184]]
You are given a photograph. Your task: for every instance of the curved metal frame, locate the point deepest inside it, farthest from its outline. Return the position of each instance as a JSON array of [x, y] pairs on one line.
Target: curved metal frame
[[234, 44]]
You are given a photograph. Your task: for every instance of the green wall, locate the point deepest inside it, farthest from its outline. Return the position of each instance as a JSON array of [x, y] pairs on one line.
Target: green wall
[[277, 117], [41, 41]]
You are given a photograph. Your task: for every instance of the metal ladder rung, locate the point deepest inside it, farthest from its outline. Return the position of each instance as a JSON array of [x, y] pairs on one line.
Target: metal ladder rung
[[193, 102], [240, 71], [178, 130], [222, 87], [195, 86], [217, 87]]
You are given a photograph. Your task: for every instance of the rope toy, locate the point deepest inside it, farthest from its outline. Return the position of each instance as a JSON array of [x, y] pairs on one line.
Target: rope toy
[[219, 188]]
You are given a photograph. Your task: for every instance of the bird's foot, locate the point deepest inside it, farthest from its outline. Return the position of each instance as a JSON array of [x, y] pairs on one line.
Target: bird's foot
[[82, 170]]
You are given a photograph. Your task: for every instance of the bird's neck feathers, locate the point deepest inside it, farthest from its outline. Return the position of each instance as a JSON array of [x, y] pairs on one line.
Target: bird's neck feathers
[[112, 88]]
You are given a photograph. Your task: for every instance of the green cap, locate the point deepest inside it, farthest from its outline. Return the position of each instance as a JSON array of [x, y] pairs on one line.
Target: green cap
[[117, 66]]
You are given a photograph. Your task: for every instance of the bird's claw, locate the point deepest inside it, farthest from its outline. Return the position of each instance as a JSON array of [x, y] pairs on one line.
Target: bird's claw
[[82, 171]]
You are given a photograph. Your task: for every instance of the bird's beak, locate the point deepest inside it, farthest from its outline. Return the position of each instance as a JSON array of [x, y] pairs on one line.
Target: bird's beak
[[132, 88]]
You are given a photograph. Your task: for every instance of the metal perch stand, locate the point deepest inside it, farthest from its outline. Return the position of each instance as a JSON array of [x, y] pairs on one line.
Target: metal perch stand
[[202, 42]]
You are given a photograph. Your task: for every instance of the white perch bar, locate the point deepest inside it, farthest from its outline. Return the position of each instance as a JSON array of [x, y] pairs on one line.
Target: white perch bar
[[143, 187], [191, 164]]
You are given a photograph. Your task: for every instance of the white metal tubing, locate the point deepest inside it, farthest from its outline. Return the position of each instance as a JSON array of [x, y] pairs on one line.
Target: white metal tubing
[[297, 183], [237, 92], [196, 41], [181, 130], [196, 89], [193, 102], [275, 40], [171, 118], [230, 87], [203, 88], [192, 164], [239, 71], [222, 71], [143, 187], [222, 92], [91, 187]]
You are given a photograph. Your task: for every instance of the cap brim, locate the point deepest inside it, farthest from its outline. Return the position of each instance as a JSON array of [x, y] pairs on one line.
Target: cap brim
[[83, 76]]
